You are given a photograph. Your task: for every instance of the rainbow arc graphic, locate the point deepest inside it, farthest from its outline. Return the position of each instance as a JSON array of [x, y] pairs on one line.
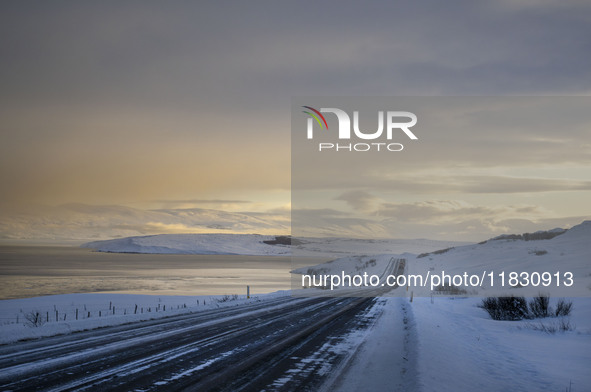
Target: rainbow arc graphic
[[316, 114]]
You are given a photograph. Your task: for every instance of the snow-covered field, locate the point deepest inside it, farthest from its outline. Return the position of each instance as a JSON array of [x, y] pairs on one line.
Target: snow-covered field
[[101, 310], [461, 349]]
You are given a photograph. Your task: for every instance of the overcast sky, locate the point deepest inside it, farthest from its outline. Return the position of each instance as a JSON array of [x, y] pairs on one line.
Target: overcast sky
[[166, 105]]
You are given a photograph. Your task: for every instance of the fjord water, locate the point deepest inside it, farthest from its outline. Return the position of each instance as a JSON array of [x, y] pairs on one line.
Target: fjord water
[[31, 271]]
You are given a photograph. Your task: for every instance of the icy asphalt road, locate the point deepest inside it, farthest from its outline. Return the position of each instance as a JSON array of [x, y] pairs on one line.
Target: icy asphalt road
[[264, 348]]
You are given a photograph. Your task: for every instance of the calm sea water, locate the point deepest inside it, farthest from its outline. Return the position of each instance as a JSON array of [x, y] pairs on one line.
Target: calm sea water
[[30, 271]]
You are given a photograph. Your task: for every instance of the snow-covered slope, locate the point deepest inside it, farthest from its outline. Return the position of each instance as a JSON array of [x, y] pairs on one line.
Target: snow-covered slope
[[239, 244], [253, 244], [567, 252]]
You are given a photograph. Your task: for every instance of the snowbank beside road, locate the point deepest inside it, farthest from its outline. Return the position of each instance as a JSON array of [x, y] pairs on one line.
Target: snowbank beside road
[[451, 345], [101, 310], [462, 349]]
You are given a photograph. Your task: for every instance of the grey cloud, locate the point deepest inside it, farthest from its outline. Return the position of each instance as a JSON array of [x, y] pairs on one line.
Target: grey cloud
[[208, 201], [359, 200], [444, 184], [436, 211], [467, 145], [211, 54], [334, 223], [204, 203], [499, 184], [446, 220], [81, 222], [319, 212], [483, 229], [491, 184], [151, 74]]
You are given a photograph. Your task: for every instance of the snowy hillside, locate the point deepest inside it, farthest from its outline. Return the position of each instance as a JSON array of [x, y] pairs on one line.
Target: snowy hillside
[[253, 244], [238, 244], [568, 252], [564, 253]]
